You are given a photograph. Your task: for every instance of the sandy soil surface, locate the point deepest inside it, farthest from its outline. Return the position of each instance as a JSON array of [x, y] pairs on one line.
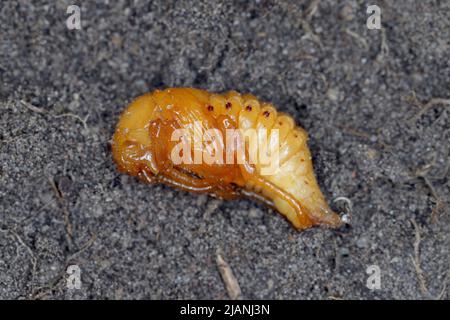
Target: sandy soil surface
[[357, 92]]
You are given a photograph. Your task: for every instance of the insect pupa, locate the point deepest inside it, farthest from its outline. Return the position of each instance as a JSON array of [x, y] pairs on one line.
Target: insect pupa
[[179, 137]]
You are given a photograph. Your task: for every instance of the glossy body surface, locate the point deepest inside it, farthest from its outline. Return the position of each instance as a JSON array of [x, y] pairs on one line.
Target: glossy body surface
[[143, 146]]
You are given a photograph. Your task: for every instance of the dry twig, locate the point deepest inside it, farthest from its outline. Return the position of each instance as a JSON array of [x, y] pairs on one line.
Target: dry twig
[[230, 281]]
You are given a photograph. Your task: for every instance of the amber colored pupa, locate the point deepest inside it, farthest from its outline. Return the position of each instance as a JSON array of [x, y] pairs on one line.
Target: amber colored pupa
[[143, 146]]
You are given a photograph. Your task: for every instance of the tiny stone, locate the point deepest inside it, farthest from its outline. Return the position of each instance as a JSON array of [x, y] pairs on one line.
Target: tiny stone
[[362, 242], [254, 213], [344, 251], [347, 13], [333, 94]]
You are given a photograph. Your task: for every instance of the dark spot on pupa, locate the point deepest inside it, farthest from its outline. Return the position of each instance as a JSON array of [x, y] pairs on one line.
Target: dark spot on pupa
[[210, 108], [228, 105], [248, 108], [266, 114]]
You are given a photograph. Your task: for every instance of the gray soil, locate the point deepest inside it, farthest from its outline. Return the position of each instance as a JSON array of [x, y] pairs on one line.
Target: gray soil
[[353, 89]]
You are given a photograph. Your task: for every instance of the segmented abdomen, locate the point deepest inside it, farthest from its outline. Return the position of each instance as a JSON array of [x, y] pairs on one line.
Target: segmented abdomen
[[294, 176]]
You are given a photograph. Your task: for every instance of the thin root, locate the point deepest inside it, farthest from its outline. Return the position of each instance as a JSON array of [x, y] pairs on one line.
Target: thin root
[[312, 9], [65, 210], [384, 48], [86, 246], [358, 38], [440, 204], [425, 107], [419, 272], [43, 111]]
